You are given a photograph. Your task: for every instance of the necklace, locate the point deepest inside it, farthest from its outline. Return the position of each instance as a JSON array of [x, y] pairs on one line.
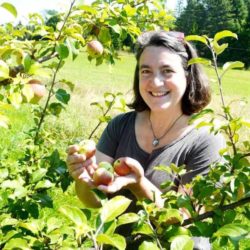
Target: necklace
[[156, 139]]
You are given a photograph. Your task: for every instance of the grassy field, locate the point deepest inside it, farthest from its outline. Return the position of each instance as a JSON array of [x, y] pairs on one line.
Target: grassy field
[[79, 118]]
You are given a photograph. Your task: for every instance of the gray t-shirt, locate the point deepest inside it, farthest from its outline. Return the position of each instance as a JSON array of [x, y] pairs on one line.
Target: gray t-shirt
[[197, 149]]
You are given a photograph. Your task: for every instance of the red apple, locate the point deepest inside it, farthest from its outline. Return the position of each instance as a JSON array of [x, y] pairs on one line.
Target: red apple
[[103, 174], [87, 147], [94, 48], [38, 89], [121, 168]]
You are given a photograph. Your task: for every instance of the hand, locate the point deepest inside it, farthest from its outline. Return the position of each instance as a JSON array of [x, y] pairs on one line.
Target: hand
[[79, 167], [137, 172]]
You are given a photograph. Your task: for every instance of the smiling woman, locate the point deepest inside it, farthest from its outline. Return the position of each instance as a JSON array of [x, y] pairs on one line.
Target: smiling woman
[[157, 132]]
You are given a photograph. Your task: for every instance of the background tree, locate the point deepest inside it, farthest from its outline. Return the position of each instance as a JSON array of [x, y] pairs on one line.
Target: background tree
[[210, 16]]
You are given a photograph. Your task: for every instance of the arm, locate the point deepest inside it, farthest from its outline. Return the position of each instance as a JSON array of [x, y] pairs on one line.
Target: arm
[[145, 189]]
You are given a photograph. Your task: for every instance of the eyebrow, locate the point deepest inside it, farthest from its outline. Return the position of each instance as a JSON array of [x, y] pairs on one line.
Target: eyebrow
[[145, 66]]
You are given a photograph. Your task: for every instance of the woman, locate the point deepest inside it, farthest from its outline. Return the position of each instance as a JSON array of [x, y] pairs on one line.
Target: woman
[[166, 92]]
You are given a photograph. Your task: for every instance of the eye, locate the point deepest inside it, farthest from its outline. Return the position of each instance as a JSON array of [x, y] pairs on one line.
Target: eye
[[145, 71], [167, 71]]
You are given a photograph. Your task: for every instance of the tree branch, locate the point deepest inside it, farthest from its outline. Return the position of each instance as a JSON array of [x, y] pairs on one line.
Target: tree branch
[[212, 213]]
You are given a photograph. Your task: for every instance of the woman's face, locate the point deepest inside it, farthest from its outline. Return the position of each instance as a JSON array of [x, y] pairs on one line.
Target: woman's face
[[162, 80]]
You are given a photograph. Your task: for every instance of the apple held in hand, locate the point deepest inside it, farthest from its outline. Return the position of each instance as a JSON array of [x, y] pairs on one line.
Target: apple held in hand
[[103, 174], [94, 48], [87, 147], [38, 89], [121, 168]]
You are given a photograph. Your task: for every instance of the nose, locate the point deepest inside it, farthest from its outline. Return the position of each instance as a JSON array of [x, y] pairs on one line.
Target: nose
[[158, 80]]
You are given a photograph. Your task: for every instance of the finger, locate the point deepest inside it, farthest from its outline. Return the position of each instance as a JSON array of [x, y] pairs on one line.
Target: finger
[[118, 183], [77, 173], [91, 168], [86, 178], [72, 149], [135, 166], [74, 167], [75, 158]]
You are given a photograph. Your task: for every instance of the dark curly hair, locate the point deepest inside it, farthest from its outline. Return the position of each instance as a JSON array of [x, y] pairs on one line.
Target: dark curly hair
[[198, 93]]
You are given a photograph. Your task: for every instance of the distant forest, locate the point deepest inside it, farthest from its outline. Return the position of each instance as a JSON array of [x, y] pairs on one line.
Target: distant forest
[[206, 17]]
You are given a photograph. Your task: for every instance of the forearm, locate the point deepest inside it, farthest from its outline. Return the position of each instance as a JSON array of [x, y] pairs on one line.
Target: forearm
[[146, 189], [86, 196]]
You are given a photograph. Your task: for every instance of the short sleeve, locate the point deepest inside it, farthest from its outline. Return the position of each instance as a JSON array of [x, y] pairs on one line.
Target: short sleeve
[[110, 138], [204, 152]]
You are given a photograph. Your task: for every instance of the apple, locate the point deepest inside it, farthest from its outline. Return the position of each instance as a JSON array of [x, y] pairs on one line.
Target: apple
[[87, 148], [38, 89], [94, 48], [103, 174], [121, 168]]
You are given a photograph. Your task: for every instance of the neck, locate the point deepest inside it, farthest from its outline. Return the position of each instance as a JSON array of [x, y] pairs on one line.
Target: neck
[[165, 130], [163, 120]]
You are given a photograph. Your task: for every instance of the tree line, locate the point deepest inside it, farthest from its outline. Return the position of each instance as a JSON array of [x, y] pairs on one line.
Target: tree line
[[206, 17]]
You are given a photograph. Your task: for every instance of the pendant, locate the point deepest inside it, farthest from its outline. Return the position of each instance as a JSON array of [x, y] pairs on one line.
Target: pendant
[[155, 142]]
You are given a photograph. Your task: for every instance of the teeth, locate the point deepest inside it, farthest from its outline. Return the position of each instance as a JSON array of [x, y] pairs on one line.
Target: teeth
[[159, 93]]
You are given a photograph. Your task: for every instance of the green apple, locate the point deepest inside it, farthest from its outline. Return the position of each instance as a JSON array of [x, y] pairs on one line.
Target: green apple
[[121, 168], [38, 90], [94, 48], [87, 148], [103, 174]]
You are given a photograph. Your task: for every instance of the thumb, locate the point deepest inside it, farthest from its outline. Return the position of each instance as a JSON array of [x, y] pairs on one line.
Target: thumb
[[135, 166]]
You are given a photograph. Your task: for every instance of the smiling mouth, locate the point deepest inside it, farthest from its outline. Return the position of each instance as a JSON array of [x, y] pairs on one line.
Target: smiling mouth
[[159, 94]]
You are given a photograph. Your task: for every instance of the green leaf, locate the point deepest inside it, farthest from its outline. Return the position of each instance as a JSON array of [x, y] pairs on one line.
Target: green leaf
[[72, 46], [201, 114], [14, 242], [4, 173], [38, 175], [114, 207], [130, 11], [70, 84], [115, 240], [89, 9], [62, 96], [44, 184], [62, 51], [32, 226], [56, 108], [181, 242], [77, 217], [232, 230], [4, 70], [196, 38], [27, 62], [223, 34], [146, 245], [4, 122], [37, 69], [15, 99], [232, 65], [199, 60], [104, 36], [78, 37], [219, 48], [170, 214], [27, 92], [9, 7], [127, 218], [143, 229]]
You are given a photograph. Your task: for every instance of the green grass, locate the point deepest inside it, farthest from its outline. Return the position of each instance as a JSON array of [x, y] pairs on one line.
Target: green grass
[[91, 81]]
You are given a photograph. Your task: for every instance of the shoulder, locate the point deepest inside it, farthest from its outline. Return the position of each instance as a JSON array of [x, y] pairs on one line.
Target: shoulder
[[204, 139], [123, 119]]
